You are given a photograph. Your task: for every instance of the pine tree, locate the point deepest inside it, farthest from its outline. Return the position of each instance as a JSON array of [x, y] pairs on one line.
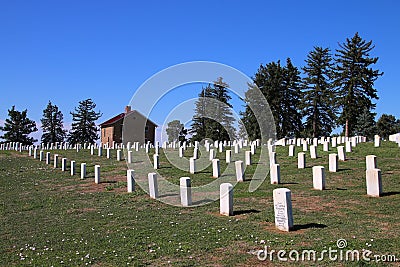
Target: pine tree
[[18, 127], [354, 79], [281, 88], [213, 117], [221, 127], [366, 125], [318, 99], [387, 125], [84, 129], [291, 124], [52, 125], [173, 130], [199, 129]]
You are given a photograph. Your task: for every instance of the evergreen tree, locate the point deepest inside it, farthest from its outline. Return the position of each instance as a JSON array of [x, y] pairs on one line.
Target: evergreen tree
[[52, 124], [84, 129], [199, 128], [291, 124], [387, 125], [318, 102], [213, 116], [221, 127], [173, 130], [18, 127], [281, 88], [366, 125], [354, 79]]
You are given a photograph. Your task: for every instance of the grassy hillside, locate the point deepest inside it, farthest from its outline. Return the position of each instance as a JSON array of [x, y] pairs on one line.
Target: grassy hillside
[[49, 217]]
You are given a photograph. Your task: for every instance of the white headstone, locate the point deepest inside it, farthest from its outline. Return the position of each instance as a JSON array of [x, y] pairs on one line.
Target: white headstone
[[341, 153], [153, 185], [195, 153], [130, 156], [239, 171], [275, 173], [118, 155], [181, 152], [55, 161], [326, 146], [108, 153], [186, 191], [64, 164], [228, 156], [301, 160], [237, 148], [348, 147], [377, 141], [156, 163], [313, 152], [226, 199], [248, 158], [97, 174], [253, 149], [83, 170], [374, 182], [291, 150], [72, 167], [283, 209], [216, 168], [334, 141], [319, 177], [333, 163], [130, 180], [192, 165], [305, 146], [41, 155], [371, 163], [211, 154]]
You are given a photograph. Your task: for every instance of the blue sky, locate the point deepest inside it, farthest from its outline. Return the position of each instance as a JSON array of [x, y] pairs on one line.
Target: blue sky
[[67, 51]]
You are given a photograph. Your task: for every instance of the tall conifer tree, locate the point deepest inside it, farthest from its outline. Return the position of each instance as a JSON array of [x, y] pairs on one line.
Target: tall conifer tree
[[354, 79]]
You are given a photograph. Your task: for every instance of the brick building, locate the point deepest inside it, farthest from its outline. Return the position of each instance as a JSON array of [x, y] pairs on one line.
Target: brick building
[[137, 128]]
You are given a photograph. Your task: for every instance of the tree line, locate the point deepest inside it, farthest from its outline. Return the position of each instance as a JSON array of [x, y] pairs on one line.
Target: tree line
[[331, 90], [18, 126]]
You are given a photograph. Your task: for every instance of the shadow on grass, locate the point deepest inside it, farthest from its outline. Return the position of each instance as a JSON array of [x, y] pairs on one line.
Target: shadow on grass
[[289, 183], [241, 212], [387, 194], [308, 226], [108, 182]]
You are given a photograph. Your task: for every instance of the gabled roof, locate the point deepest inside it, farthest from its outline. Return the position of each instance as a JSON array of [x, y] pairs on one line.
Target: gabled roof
[[121, 116]]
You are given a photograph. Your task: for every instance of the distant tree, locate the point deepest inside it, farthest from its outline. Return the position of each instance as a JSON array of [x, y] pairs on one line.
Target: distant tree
[[354, 79], [281, 88], [173, 130], [387, 125], [222, 127], [52, 124], [200, 122], [291, 95], [213, 102], [18, 127], [366, 125], [84, 129], [318, 99]]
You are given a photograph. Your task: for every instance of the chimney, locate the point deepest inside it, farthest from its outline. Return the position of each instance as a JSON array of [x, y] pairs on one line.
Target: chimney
[[127, 109]]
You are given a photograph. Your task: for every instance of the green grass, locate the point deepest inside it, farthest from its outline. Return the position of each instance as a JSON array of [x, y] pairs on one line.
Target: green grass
[[51, 218]]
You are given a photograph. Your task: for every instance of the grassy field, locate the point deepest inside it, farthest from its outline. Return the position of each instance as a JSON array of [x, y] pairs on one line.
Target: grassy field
[[49, 217]]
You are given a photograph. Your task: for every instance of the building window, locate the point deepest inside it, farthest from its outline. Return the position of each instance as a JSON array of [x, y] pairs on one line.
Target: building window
[[146, 129]]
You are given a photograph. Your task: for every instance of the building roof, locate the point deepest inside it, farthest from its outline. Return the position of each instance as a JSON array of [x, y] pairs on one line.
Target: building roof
[[121, 116]]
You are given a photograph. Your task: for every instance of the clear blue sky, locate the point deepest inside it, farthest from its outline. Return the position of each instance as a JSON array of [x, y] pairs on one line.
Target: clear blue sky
[[67, 51]]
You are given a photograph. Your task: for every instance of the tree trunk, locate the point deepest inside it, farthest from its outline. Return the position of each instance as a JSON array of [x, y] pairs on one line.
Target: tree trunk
[[347, 128]]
